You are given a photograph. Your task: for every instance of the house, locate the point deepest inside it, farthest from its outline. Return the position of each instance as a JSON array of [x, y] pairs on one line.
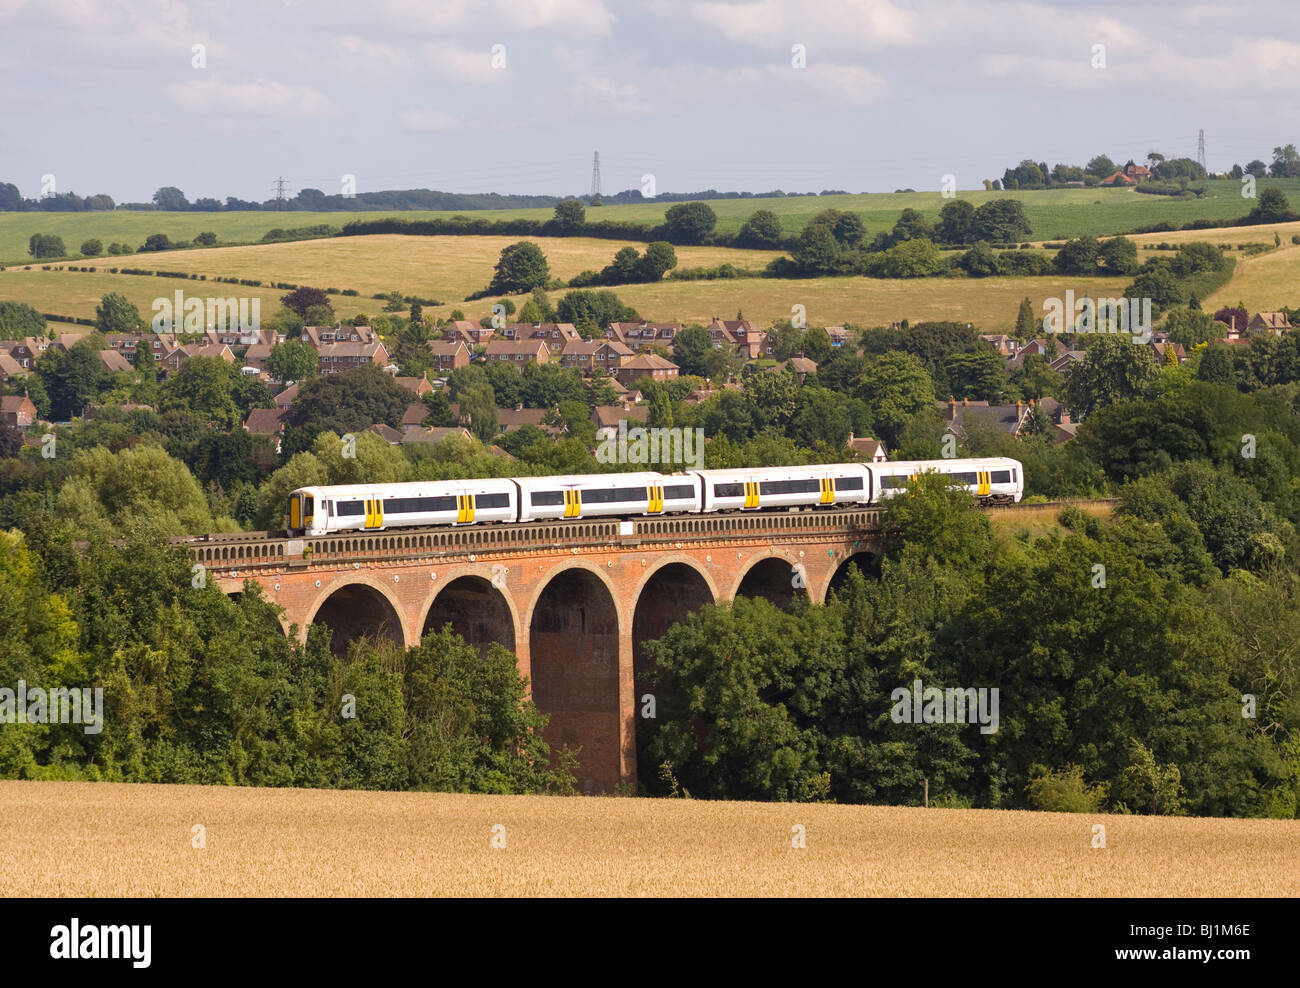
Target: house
[[418, 385], [801, 366], [649, 365], [1014, 420], [587, 355], [740, 334], [113, 361], [1163, 349], [416, 412], [607, 418], [1005, 346], [285, 399], [838, 335], [319, 336], [18, 412], [387, 433], [256, 356], [11, 368], [66, 341], [640, 335], [336, 357], [554, 334], [869, 449], [1131, 175], [265, 422], [171, 363], [1269, 322], [519, 416], [518, 352], [432, 434], [449, 354], [1062, 363], [469, 333]]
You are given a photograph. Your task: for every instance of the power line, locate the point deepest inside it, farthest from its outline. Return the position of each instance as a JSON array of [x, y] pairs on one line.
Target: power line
[[595, 179]]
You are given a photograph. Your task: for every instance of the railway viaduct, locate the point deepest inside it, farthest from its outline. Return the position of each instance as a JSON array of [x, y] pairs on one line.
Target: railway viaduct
[[575, 601]]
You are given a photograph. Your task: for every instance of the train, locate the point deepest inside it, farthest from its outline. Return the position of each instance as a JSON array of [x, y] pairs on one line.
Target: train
[[378, 507]]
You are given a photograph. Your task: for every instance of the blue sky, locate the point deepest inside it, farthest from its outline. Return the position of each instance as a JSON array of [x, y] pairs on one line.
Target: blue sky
[[105, 95]]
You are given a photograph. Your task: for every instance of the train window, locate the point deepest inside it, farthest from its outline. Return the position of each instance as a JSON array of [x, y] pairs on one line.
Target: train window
[[678, 491], [894, 480], [848, 483], [728, 490], [350, 508], [492, 500], [547, 499], [789, 487], [1013, 475], [965, 478], [1001, 477], [418, 505], [613, 495], [309, 501]]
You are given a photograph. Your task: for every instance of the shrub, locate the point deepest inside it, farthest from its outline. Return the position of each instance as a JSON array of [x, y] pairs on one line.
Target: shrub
[[1064, 791]]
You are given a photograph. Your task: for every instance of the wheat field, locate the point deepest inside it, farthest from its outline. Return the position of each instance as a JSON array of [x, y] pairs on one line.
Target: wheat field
[[101, 839]]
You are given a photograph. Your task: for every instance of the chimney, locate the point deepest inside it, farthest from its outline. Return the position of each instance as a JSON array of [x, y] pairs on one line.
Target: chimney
[[1031, 402], [965, 402], [952, 408], [519, 407], [1020, 408]]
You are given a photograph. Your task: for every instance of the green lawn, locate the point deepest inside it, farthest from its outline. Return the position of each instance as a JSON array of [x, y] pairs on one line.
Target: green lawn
[[1053, 213]]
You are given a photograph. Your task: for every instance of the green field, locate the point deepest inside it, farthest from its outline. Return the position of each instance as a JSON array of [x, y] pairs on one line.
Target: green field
[[1053, 213]]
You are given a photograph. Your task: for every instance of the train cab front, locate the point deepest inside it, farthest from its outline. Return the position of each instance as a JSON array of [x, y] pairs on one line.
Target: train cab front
[[301, 515]]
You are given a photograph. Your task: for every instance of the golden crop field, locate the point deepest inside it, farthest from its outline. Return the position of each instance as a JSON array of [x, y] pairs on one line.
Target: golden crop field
[[446, 268], [1263, 283], [989, 303], [101, 839]]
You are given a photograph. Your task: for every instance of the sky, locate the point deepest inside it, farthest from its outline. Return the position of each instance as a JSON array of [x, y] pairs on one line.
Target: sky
[[514, 96]]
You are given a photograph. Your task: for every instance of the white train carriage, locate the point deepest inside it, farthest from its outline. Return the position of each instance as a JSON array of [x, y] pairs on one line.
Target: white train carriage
[[374, 507], [991, 480], [603, 494], [785, 487]]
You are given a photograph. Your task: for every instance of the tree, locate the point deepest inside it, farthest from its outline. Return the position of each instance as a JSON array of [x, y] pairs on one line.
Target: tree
[[71, 380], [1233, 317], [979, 375], [292, 360], [1286, 162], [1101, 166], [301, 299], [956, 222], [18, 320], [522, 267], [1119, 255], [689, 222], [142, 359], [1191, 327], [43, 245], [394, 301], [911, 225], [570, 214], [1115, 370], [1272, 207], [659, 258], [817, 251], [622, 269], [1078, 256], [591, 312], [203, 385], [348, 402], [693, 351], [206, 239], [895, 386], [156, 241], [1002, 221], [92, 248], [117, 314], [762, 229], [170, 199], [1026, 323], [1257, 168]]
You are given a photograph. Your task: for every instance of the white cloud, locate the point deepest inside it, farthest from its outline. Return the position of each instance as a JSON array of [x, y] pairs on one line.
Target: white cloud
[[254, 98], [466, 65], [425, 121]]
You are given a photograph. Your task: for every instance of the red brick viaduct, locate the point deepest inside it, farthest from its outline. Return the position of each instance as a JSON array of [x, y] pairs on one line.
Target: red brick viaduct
[[573, 600]]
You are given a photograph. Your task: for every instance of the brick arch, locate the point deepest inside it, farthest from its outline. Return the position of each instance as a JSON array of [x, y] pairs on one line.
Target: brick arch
[[344, 580], [790, 557], [483, 572], [576, 641]]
